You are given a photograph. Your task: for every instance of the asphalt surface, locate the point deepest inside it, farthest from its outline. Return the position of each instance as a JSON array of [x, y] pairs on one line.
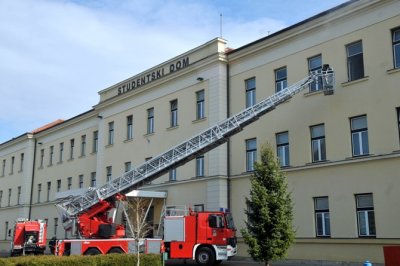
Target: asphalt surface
[[247, 261]]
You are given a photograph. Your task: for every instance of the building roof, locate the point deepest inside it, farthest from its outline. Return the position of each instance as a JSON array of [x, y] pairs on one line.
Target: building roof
[[47, 126], [231, 51]]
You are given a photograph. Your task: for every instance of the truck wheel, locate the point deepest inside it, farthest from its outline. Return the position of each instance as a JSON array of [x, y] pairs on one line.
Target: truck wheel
[[92, 251], [205, 256], [115, 250]]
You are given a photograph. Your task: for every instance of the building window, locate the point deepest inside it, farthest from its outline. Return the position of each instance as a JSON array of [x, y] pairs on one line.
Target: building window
[[21, 166], [93, 179], [3, 169], [12, 165], [83, 145], [128, 166], [111, 133], [80, 181], [129, 127], [315, 64], [200, 166], [61, 152], [251, 154], [48, 191], [250, 92], [396, 47], [322, 220], [55, 226], [150, 120], [200, 105], [109, 173], [71, 148], [41, 158], [398, 119], [282, 147], [359, 136], [172, 174], [6, 231], [69, 183], [365, 215], [39, 192], [318, 143], [280, 79], [1, 197], [174, 113], [355, 61], [9, 197], [18, 195], [95, 141], [58, 185], [51, 153]]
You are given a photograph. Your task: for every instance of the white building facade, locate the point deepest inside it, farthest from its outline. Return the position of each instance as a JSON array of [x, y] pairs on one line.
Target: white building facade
[[340, 153]]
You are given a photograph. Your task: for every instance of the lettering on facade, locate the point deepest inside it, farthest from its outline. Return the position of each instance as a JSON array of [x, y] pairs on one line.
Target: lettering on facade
[[152, 76]]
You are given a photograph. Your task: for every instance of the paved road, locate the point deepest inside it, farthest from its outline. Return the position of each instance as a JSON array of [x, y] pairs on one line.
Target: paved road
[[245, 262], [225, 263]]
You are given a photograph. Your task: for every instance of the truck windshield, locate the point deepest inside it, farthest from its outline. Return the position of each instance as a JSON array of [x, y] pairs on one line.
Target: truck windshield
[[229, 221]]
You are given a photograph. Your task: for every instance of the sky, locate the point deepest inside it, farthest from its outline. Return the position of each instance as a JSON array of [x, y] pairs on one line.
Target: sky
[[56, 55]]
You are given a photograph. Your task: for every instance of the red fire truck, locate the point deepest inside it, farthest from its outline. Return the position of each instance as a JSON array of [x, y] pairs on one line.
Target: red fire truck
[[29, 237], [208, 237]]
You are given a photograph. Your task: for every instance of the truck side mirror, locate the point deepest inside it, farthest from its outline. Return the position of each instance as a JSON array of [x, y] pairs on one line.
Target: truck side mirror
[[9, 232]]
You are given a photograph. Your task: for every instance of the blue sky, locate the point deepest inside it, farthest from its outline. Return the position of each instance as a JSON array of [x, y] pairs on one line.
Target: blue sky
[[55, 55]]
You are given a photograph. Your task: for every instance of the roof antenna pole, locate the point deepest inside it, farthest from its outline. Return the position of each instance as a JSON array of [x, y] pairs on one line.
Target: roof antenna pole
[[220, 25]]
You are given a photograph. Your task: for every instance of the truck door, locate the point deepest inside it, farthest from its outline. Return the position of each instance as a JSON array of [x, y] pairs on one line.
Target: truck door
[[216, 229]]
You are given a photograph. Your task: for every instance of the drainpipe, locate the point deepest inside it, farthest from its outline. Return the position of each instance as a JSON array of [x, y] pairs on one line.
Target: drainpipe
[[228, 143], [33, 179]]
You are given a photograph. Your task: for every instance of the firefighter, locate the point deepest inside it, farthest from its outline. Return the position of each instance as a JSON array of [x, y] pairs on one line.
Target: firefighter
[[52, 244]]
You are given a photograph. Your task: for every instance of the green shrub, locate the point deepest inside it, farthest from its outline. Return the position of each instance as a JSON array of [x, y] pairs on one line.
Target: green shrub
[[98, 260]]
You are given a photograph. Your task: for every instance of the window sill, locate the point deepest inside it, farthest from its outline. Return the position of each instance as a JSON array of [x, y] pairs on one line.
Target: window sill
[[82, 156], [70, 159], [392, 71], [199, 120], [172, 128], [109, 146], [50, 165], [59, 162], [128, 140], [148, 134], [355, 157], [349, 83], [367, 237], [310, 93], [318, 162]]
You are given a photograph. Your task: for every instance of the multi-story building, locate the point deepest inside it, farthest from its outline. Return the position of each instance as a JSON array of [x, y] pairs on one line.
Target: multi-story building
[[340, 153]]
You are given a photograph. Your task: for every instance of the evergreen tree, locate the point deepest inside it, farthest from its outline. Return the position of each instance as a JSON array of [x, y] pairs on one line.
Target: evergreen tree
[[269, 232]]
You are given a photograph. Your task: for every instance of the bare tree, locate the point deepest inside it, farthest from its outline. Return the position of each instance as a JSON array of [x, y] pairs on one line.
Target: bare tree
[[138, 209]]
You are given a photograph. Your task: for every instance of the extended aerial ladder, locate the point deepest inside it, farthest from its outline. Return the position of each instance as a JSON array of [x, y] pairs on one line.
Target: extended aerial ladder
[[70, 208]]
